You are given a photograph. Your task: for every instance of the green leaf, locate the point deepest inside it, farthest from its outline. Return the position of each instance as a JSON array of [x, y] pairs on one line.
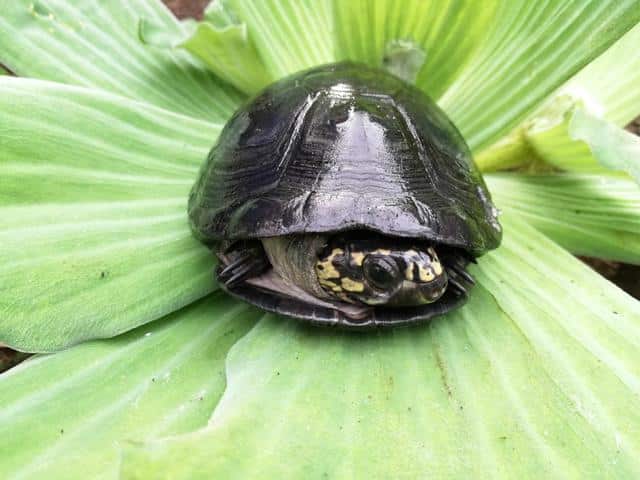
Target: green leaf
[[570, 139], [226, 50], [606, 90], [290, 35], [445, 33], [95, 43], [589, 215], [538, 376], [530, 49], [608, 86], [94, 238], [67, 415], [613, 147]]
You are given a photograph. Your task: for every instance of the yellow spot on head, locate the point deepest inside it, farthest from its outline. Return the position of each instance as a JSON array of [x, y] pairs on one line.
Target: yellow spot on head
[[425, 275], [330, 284], [352, 285], [325, 268], [437, 268], [358, 258]]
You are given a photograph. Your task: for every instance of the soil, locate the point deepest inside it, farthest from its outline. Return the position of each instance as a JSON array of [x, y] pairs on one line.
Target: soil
[[10, 358], [624, 275], [634, 127], [187, 8]]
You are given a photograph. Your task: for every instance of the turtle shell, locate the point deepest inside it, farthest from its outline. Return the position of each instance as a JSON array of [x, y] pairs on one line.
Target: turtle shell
[[340, 147]]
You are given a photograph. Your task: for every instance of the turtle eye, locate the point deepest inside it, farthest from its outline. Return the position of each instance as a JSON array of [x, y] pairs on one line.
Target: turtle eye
[[381, 272]]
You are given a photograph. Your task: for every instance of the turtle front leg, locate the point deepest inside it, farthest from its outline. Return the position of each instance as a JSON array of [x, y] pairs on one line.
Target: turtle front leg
[[459, 279], [241, 261]]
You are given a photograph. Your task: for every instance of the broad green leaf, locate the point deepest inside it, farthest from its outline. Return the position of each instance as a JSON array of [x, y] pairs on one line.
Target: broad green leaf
[[530, 50], [447, 33], [608, 86], [613, 147], [606, 91], [552, 143], [226, 50], [94, 238], [290, 35], [537, 377], [534, 141], [95, 43], [578, 141], [67, 415], [589, 215]]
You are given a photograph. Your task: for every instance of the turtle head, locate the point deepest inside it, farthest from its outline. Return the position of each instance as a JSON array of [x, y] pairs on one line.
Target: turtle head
[[377, 270]]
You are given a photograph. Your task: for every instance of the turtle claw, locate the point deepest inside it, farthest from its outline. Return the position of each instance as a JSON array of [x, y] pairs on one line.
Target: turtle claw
[[241, 262], [461, 272], [457, 286], [230, 267], [460, 280]]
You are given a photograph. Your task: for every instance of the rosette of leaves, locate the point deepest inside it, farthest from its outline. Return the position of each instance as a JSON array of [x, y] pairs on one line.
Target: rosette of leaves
[[144, 370]]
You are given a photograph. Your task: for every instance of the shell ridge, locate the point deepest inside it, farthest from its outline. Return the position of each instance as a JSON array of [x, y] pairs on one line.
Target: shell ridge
[[422, 148], [296, 127]]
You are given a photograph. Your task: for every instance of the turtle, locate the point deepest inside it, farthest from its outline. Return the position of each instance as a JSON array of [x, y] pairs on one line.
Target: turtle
[[343, 195]]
